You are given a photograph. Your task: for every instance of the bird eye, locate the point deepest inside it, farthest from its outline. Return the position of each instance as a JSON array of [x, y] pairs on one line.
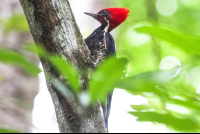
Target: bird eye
[[104, 11]]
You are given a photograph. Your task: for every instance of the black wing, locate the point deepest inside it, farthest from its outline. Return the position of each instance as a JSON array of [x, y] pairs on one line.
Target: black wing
[[111, 52], [110, 44], [102, 42], [94, 42]]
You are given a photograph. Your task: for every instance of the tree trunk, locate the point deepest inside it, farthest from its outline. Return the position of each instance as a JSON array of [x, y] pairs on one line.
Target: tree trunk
[[53, 26]]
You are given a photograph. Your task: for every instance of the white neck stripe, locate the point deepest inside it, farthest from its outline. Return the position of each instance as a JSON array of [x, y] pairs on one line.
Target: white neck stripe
[[106, 28]]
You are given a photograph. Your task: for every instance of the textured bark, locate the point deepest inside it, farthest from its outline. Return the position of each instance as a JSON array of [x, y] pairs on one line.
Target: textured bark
[[53, 26], [17, 88]]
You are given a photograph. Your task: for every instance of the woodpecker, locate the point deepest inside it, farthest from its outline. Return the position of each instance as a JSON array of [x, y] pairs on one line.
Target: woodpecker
[[101, 43]]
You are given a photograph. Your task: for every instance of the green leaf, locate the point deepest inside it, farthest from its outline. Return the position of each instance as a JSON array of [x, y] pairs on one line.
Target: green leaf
[[67, 70], [31, 47], [182, 124], [141, 107], [62, 88], [147, 82], [37, 49], [105, 77], [185, 42], [6, 130], [17, 22], [0, 79], [185, 103], [12, 57]]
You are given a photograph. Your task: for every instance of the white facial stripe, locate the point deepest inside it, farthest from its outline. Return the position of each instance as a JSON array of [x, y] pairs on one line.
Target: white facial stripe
[[106, 28], [105, 40]]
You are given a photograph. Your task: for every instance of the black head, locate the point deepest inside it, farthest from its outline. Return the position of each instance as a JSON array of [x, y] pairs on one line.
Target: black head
[[111, 16], [105, 14], [102, 16]]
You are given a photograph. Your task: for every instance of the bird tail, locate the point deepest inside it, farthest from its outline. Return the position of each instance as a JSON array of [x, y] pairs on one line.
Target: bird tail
[[106, 108]]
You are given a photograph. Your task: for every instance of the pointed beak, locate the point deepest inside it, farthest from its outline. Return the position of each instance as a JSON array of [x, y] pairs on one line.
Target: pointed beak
[[92, 15]]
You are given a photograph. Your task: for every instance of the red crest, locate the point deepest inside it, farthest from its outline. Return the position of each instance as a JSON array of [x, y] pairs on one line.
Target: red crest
[[117, 16]]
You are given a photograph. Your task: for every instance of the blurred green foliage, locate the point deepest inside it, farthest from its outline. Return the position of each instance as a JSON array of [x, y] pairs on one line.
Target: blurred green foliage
[[177, 39], [5, 130], [168, 119], [16, 22], [13, 57], [148, 36], [145, 39], [105, 77], [67, 70]]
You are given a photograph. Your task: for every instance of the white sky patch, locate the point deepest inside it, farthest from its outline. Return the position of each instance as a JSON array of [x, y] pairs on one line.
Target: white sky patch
[[120, 121], [177, 108], [84, 99], [198, 90], [44, 117]]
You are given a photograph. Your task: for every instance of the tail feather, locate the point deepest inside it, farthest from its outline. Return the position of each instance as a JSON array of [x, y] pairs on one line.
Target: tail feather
[[106, 108]]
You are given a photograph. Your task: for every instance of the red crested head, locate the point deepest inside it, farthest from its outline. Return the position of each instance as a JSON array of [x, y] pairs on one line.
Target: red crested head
[[117, 16], [111, 17]]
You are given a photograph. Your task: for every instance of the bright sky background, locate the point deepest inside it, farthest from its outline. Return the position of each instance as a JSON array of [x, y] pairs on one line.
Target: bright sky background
[[44, 118]]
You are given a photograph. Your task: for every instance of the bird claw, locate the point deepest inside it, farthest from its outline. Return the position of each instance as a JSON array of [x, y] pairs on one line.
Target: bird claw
[[91, 63], [94, 65]]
